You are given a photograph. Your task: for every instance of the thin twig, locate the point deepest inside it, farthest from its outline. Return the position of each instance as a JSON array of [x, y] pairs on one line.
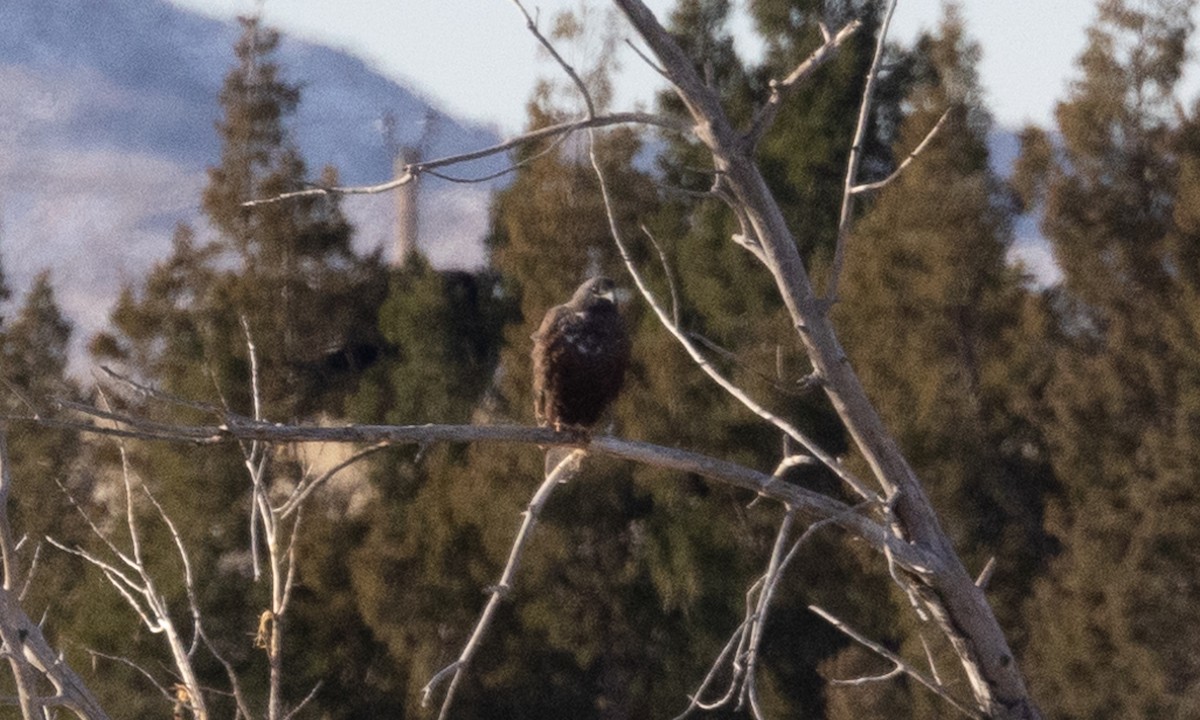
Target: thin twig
[[770, 580], [646, 58], [895, 672], [732, 357], [497, 593], [135, 667], [856, 152], [694, 700], [307, 699], [189, 581], [154, 393], [234, 684], [570, 71], [747, 637], [899, 662], [868, 187], [33, 564], [929, 656], [781, 89], [666, 266], [308, 486], [985, 575]]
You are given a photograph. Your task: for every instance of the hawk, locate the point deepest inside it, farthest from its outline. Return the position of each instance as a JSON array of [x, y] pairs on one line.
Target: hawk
[[580, 353]]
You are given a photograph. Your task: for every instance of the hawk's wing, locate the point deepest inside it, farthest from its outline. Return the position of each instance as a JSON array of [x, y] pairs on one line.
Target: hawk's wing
[[541, 346]]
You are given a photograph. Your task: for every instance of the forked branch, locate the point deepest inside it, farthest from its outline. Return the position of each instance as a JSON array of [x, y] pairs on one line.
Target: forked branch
[[412, 171], [947, 591]]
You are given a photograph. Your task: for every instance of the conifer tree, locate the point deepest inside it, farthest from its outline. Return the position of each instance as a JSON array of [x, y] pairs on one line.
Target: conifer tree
[[287, 273], [34, 359], [360, 561], [34, 351], [287, 269], [1113, 624]]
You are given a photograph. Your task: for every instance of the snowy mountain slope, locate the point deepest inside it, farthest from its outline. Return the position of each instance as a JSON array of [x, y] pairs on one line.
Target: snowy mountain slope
[[107, 112]]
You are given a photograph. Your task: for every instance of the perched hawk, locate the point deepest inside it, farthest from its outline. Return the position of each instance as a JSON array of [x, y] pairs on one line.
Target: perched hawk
[[580, 353]]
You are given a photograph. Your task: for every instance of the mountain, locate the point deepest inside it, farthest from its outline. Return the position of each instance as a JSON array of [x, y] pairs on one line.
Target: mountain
[[107, 112]]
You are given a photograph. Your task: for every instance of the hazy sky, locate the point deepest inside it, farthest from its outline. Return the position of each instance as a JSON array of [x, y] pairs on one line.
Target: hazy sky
[[476, 60]]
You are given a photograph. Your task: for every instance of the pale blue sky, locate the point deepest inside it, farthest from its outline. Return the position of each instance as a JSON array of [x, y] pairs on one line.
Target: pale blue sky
[[476, 60]]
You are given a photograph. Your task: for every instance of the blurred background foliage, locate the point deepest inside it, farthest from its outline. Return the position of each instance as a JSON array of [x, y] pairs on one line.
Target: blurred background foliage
[[1055, 427]]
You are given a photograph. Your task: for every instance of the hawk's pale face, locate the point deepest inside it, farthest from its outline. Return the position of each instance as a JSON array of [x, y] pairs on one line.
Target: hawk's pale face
[[595, 293]]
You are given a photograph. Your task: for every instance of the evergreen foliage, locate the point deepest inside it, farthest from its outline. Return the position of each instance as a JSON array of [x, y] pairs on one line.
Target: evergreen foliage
[[1055, 429], [931, 317], [283, 276], [1114, 621]]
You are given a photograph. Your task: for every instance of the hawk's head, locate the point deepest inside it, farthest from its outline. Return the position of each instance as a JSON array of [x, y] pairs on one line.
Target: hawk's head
[[594, 294]]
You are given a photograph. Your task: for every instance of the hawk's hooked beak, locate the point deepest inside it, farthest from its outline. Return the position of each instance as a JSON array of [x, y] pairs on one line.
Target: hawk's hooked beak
[[609, 295]]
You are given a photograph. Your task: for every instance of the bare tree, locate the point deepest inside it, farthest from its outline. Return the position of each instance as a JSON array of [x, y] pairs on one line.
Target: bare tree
[[892, 514], [32, 660]]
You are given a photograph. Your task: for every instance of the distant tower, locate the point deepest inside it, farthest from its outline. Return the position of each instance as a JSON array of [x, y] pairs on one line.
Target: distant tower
[[407, 217], [407, 221]]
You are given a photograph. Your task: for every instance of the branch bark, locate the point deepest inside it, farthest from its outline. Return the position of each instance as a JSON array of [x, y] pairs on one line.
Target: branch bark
[[810, 505]]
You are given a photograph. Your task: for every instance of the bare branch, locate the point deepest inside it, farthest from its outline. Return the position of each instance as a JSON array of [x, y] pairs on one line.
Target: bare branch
[[26, 648], [8, 549], [898, 661], [868, 187], [747, 638], [960, 609], [412, 171], [309, 485], [810, 504], [856, 148], [497, 593], [125, 585], [570, 71], [782, 89]]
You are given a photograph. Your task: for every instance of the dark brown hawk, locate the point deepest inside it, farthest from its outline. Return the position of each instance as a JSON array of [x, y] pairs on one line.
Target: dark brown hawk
[[580, 354]]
